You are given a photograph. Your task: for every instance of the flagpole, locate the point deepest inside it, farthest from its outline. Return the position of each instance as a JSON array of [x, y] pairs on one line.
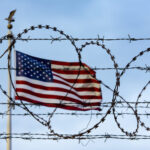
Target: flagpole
[[9, 119]]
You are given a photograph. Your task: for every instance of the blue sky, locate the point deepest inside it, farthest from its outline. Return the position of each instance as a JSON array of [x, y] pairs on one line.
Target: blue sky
[[81, 18]]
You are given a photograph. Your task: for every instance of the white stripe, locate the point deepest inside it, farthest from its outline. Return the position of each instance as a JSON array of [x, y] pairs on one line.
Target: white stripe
[[89, 93], [48, 92], [51, 101], [40, 91], [63, 67], [79, 85], [45, 92], [82, 85], [52, 84], [72, 76]]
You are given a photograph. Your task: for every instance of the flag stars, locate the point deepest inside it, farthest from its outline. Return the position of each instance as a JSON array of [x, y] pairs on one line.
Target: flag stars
[[33, 67]]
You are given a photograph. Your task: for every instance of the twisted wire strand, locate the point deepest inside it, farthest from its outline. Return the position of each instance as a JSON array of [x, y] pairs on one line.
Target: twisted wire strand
[[42, 136], [75, 114], [103, 105], [146, 68], [130, 39]]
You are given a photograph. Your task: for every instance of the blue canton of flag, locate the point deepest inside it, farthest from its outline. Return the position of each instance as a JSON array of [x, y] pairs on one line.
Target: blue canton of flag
[[33, 67]]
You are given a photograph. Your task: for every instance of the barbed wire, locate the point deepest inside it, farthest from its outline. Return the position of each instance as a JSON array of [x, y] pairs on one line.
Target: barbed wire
[[106, 104], [115, 91], [146, 68], [75, 114], [41, 136], [102, 103], [79, 56], [129, 38]]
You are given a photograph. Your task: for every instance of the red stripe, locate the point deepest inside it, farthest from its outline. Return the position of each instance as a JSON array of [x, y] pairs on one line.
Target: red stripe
[[54, 105], [53, 62], [57, 96], [67, 81], [72, 72], [65, 63], [86, 97], [90, 89], [93, 89], [77, 80], [62, 63], [82, 81], [49, 88], [80, 88]]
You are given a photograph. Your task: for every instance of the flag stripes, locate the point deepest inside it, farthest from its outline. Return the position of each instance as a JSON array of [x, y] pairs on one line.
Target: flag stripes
[[68, 88]]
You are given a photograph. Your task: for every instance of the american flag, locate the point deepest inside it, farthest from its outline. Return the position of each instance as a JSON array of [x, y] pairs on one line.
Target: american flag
[[66, 85]]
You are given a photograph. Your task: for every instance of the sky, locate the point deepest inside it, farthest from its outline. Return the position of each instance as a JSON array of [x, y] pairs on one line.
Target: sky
[[80, 19]]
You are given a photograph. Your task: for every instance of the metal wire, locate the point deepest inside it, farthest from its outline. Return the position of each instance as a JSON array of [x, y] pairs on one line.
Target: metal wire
[[146, 68], [41, 136], [129, 38], [75, 114], [103, 105]]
